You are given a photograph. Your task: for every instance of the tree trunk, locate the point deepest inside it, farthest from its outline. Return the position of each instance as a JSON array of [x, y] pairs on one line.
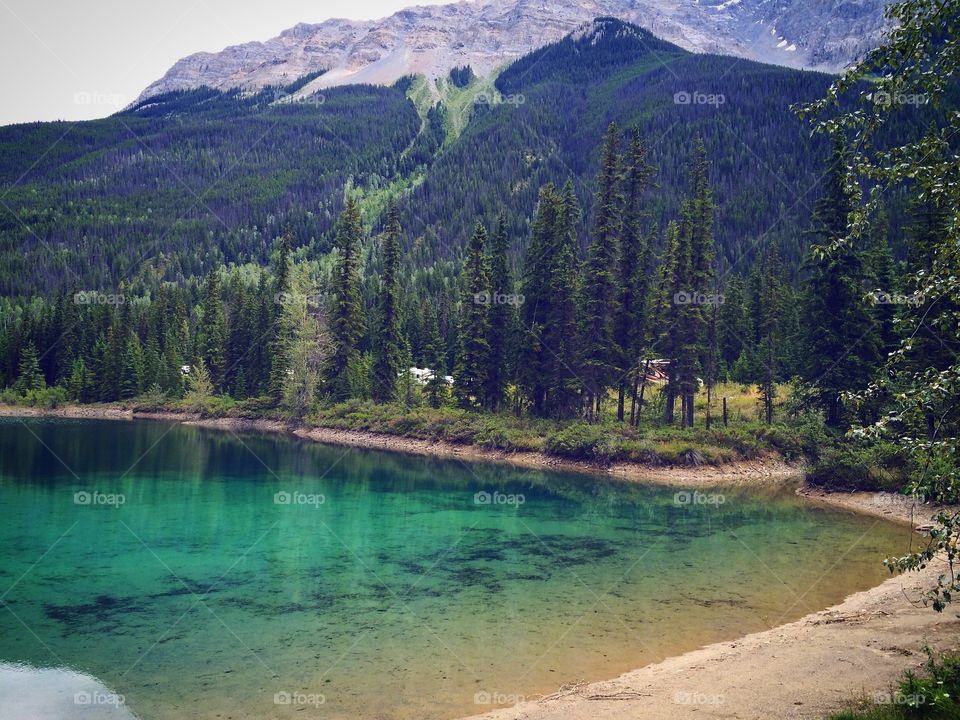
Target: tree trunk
[[668, 406], [709, 401], [621, 399]]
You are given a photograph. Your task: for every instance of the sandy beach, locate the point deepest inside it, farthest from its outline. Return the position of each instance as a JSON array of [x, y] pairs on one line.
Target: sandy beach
[[819, 664]]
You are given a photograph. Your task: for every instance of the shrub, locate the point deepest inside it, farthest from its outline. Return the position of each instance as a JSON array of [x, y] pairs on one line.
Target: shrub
[[582, 442], [847, 466], [47, 398]]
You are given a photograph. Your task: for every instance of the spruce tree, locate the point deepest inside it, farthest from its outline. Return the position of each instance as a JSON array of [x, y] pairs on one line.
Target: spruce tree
[[598, 292], [131, 374], [388, 348], [436, 385], [346, 312], [469, 372], [769, 328], [535, 287], [501, 318], [841, 340], [560, 337], [280, 322], [29, 375], [633, 271], [212, 330], [695, 352]]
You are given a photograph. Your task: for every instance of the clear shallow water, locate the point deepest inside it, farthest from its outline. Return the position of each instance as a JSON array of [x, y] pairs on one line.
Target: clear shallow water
[[397, 596]]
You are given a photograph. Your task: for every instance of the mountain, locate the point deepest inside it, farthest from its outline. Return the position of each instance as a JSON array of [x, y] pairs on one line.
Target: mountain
[[187, 179], [488, 34]]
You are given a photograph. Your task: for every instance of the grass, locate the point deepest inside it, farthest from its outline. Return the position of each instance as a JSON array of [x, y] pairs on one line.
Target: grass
[[745, 437], [609, 441], [933, 695]]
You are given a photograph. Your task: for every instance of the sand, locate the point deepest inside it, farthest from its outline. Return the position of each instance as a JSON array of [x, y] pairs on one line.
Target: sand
[[806, 669]]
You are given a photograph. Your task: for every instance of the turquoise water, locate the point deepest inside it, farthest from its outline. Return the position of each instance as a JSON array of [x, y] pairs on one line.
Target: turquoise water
[[204, 574]]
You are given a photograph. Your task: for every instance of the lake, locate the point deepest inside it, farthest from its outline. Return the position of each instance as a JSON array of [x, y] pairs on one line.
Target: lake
[[201, 574]]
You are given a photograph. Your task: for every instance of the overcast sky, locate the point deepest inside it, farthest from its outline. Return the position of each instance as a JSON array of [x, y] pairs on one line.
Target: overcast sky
[[80, 59]]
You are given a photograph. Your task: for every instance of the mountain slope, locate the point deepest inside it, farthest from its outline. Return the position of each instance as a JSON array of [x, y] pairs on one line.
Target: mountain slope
[[186, 179], [487, 34]]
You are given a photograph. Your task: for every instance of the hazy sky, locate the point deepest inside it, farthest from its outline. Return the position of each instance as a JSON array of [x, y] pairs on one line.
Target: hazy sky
[[80, 59]]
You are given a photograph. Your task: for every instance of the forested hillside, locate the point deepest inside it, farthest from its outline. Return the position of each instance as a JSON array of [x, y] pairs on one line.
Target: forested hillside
[[165, 190]]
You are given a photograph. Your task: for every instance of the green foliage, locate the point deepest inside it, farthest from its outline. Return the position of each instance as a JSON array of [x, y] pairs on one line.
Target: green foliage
[[388, 347], [920, 381], [582, 441], [346, 313], [848, 465], [935, 695], [473, 353]]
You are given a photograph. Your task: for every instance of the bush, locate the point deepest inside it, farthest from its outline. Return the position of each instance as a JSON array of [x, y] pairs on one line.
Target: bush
[[581, 441], [45, 398], [934, 697], [847, 466]]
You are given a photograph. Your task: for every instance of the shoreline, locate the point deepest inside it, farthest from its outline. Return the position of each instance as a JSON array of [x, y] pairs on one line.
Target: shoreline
[[762, 471], [806, 668], [744, 472]]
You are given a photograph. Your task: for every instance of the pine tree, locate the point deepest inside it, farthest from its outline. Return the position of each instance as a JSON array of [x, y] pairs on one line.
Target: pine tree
[[389, 346], [346, 313], [560, 332], [598, 292], [666, 313], [212, 330], [537, 271], [280, 324], [696, 228], [733, 327], [633, 271], [469, 372], [841, 339], [78, 384], [769, 350], [29, 375], [502, 318], [131, 374], [885, 288], [436, 385], [199, 383]]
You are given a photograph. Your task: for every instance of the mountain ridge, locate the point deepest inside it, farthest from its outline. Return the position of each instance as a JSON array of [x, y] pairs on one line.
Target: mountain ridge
[[488, 34]]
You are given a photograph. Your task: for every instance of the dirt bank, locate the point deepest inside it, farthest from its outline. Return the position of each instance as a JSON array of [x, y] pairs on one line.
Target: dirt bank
[[761, 471]]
